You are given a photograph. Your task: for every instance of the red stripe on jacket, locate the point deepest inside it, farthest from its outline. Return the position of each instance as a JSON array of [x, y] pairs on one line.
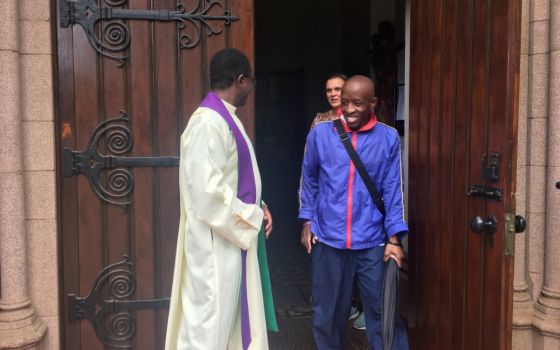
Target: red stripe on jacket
[[369, 125]]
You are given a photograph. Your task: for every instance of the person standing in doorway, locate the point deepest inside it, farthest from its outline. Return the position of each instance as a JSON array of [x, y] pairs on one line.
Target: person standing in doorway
[[333, 90], [216, 298], [348, 236]]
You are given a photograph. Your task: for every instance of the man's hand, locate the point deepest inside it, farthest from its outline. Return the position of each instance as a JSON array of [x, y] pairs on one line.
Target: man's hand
[[395, 251], [308, 239], [268, 220]]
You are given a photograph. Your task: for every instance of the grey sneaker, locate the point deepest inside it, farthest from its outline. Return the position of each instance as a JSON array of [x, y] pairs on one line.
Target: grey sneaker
[[360, 322], [354, 312]]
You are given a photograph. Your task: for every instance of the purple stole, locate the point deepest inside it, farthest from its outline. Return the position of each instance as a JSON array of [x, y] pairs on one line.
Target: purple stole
[[246, 192]]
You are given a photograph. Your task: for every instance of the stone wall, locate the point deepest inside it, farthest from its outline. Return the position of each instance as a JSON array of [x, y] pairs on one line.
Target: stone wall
[[28, 226], [536, 306]]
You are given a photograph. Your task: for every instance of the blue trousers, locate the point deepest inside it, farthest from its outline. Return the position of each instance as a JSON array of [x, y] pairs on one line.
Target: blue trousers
[[333, 272]]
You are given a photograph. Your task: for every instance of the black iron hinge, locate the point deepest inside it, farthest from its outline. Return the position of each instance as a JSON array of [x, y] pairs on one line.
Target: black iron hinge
[[114, 34], [118, 183], [108, 306]]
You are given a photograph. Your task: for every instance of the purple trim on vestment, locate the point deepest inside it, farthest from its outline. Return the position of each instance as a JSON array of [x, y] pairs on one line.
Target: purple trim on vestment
[[246, 192], [245, 322]]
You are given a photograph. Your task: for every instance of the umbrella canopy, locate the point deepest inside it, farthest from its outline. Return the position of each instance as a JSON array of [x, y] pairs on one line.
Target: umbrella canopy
[[390, 301]]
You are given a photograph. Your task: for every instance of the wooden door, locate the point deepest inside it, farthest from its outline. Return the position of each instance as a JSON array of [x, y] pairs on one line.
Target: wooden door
[[463, 105], [137, 106]]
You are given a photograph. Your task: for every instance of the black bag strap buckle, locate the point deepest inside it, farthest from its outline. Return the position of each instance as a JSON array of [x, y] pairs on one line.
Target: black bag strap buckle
[[344, 136]]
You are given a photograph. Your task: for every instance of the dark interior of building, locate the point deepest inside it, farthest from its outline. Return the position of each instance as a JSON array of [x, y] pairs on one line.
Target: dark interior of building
[[298, 45]]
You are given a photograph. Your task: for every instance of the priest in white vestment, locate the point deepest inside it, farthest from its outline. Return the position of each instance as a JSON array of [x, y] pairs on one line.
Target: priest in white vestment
[[217, 299]]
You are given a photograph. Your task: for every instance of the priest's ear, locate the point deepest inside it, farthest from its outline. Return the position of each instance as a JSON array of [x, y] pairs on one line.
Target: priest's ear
[[245, 79]]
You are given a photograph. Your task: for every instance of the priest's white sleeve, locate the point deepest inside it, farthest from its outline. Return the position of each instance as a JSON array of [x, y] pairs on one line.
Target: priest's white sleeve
[[206, 151]]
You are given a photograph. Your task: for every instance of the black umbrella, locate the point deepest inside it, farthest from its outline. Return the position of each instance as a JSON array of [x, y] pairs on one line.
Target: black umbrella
[[390, 301]]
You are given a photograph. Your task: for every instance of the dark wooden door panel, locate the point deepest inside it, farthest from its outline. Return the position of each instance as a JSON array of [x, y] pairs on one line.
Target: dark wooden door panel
[[464, 68], [157, 86]]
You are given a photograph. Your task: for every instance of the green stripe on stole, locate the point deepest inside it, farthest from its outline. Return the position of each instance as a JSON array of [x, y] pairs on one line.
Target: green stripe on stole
[[269, 312]]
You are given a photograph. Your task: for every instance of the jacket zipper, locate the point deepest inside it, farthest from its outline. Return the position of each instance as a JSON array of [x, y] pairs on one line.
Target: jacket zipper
[[350, 192]]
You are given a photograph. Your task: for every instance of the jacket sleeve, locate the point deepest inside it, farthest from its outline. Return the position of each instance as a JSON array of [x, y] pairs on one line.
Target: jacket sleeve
[[204, 157], [309, 181], [393, 193]]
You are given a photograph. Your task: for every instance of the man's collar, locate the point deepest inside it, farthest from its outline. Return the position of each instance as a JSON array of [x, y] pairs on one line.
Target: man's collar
[[368, 126]]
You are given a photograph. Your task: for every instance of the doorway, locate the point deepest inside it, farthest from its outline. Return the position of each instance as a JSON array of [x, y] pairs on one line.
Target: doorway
[[463, 105], [292, 63]]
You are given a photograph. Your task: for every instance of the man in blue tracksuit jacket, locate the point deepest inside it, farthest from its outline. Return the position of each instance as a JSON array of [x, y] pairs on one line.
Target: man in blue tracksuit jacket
[[347, 236]]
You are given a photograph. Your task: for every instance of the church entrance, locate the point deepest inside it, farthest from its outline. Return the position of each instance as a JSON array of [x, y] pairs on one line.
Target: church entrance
[[447, 73], [292, 63]]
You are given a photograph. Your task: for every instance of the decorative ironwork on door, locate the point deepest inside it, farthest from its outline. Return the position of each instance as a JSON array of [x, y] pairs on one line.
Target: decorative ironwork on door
[[91, 163], [107, 307], [114, 36]]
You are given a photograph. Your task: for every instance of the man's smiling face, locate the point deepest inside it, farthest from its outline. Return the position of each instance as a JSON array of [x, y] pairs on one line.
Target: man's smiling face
[[357, 101]]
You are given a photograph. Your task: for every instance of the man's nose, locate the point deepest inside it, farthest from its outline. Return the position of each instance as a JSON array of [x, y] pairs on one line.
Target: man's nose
[[350, 108]]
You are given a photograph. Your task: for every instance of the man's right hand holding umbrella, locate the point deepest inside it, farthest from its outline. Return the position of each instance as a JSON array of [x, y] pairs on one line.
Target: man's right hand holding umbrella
[[393, 248]]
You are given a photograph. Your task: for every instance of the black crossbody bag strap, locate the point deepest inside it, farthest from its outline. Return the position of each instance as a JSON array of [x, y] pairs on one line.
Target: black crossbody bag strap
[[359, 166]]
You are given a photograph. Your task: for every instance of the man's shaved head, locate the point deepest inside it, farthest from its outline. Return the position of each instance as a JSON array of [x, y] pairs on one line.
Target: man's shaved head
[[362, 83], [357, 101]]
